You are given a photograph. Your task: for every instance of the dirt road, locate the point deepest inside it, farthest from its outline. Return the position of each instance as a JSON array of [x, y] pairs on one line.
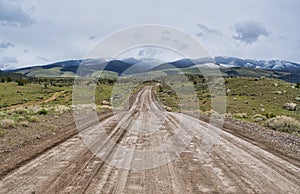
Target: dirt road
[[232, 165]]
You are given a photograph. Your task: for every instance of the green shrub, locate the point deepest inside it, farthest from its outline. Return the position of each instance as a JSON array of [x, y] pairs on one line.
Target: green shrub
[[240, 115], [19, 118], [32, 118], [21, 82], [42, 111], [284, 124], [3, 114], [8, 79], [269, 115], [2, 133], [21, 111]]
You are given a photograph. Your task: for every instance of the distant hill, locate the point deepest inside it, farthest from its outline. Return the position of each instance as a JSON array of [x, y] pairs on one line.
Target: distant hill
[[10, 76], [230, 66]]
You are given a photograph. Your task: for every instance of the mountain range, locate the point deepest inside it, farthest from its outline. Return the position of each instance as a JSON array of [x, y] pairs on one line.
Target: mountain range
[[230, 66]]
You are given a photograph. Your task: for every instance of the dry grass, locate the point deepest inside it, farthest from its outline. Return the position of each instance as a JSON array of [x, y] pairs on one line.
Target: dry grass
[[2, 133], [61, 109], [284, 124], [259, 118], [240, 115], [7, 123], [24, 124]]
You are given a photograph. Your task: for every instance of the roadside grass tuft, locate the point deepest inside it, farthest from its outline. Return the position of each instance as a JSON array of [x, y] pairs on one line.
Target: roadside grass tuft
[[42, 111], [284, 124], [32, 118], [259, 118], [240, 115], [7, 123], [2, 133], [24, 124]]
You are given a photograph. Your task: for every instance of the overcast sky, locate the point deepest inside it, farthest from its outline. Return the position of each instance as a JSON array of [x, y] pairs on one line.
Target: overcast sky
[[40, 32]]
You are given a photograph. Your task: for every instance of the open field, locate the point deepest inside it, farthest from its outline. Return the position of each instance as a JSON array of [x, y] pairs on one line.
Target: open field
[[12, 94], [261, 96], [250, 99], [26, 110]]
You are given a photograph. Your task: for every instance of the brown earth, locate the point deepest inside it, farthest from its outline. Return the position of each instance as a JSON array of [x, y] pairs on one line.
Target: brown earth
[[100, 159]]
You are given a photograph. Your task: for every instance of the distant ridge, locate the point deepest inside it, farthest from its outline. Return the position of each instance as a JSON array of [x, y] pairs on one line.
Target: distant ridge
[[230, 66]]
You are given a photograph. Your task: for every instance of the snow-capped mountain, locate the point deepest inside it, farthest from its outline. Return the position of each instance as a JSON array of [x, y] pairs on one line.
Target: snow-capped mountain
[[230, 66], [279, 65]]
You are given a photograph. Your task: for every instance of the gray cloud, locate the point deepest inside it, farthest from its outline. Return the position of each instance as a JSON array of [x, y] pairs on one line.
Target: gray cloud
[[249, 31], [12, 13], [5, 45], [204, 30], [59, 33], [147, 53]]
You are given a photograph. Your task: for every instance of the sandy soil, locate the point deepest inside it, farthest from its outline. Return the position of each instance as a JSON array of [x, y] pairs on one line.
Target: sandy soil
[[231, 165]]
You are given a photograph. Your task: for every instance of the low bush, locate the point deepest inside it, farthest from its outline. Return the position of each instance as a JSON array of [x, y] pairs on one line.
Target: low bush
[[32, 118], [259, 117], [61, 109], [2, 133], [42, 111], [240, 115], [7, 123], [24, 124], [21, 111], [270, 115], [284, 124]]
